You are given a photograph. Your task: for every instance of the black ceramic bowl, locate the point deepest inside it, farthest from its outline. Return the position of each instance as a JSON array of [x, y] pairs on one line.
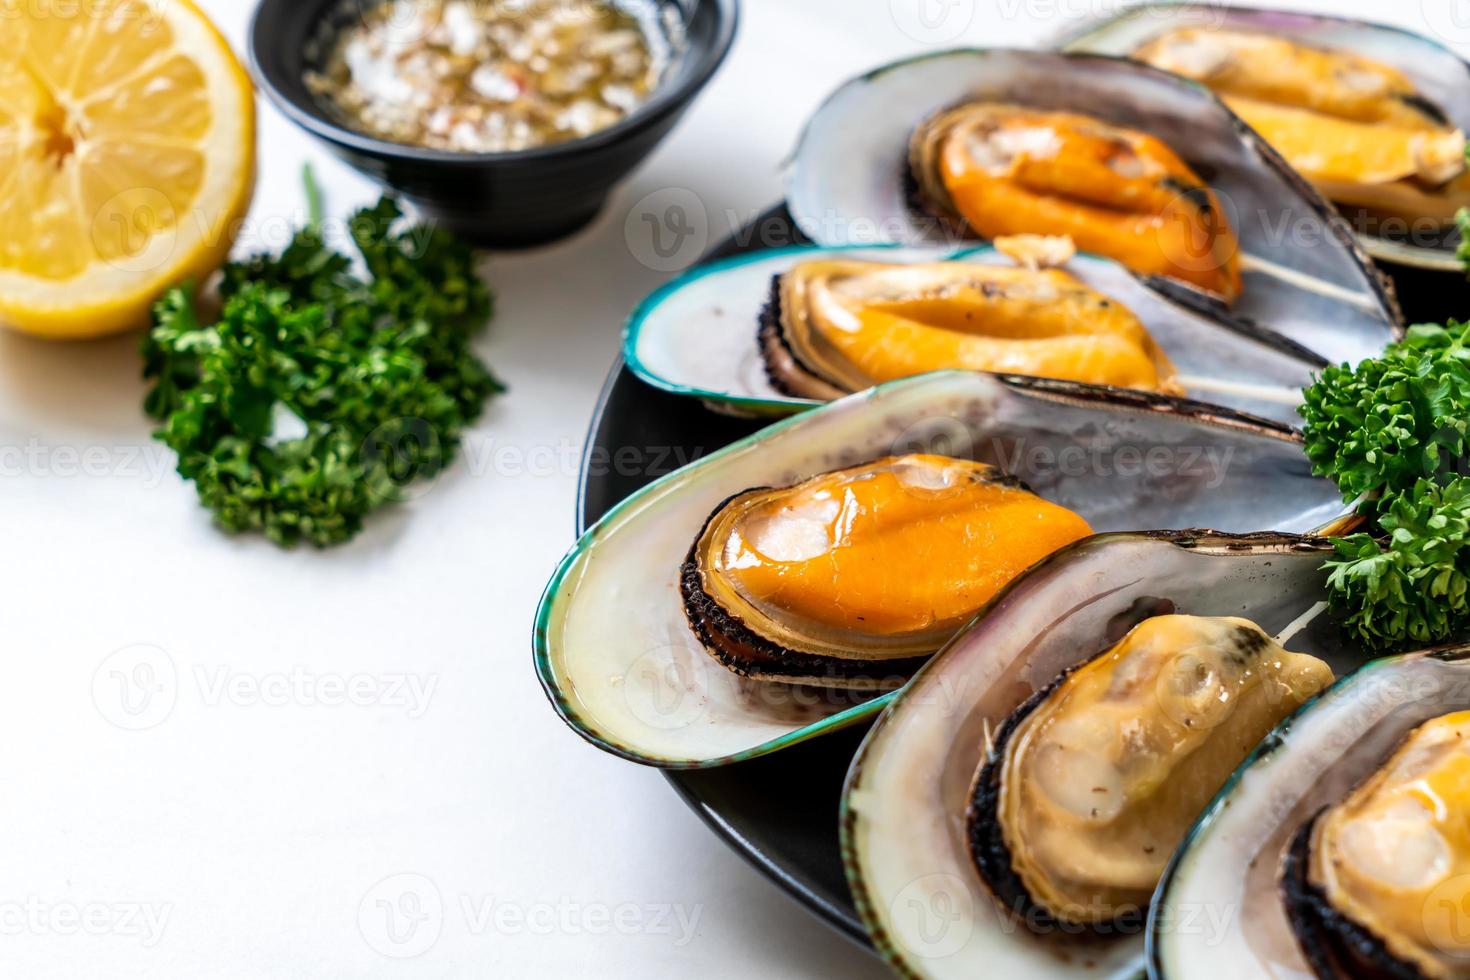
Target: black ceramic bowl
[[499, 199]]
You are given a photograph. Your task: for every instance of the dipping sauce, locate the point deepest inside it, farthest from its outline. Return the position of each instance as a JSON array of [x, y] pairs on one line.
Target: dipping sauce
[[489, 76]]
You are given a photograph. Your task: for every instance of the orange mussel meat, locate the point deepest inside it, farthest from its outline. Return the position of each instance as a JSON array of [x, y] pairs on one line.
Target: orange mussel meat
[[1007, 170]]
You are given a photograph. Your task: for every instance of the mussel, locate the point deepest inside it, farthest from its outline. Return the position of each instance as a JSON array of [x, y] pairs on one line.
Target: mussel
[[1030, 784], [853, 578], [1341, 848], [1362, 878], [1090, 785], [1358, 128], [1008, 170], [623, 664], [1131, 162], [1374, 116], [834, 327], [774, 332]]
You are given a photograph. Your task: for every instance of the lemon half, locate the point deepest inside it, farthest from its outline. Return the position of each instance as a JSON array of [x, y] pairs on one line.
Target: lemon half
[[127, 160]]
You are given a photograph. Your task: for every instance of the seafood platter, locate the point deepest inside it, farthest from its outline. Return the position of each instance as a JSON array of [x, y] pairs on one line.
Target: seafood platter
[[989, 616]]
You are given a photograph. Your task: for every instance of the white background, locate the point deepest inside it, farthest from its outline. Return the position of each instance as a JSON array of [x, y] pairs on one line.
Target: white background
[[259, 825]]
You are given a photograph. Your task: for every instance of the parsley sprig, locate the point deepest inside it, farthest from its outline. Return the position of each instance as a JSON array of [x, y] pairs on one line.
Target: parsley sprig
[[1393, 433], [370, 377], [1382, 426], [1413, 587]]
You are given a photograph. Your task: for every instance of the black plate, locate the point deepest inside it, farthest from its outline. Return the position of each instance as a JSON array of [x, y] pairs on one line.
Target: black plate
[[795, 843], [1428, 296]]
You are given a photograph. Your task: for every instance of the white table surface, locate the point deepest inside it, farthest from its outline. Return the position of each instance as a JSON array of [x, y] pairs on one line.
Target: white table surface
[[242, 820]]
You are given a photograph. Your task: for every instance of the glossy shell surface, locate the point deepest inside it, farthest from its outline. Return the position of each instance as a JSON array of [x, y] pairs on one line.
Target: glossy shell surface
[[613, 646]]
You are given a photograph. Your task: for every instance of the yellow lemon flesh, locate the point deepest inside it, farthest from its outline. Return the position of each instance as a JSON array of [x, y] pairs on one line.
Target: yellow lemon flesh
[[127, 160]]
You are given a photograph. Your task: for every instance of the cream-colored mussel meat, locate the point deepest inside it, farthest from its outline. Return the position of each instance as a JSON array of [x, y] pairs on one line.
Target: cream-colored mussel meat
[[1379, 883], [1091, 785], [1356, 127]]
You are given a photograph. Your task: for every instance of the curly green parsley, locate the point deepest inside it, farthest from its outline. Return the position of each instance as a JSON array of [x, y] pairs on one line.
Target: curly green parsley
[[1394, 433], [323, 390]]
